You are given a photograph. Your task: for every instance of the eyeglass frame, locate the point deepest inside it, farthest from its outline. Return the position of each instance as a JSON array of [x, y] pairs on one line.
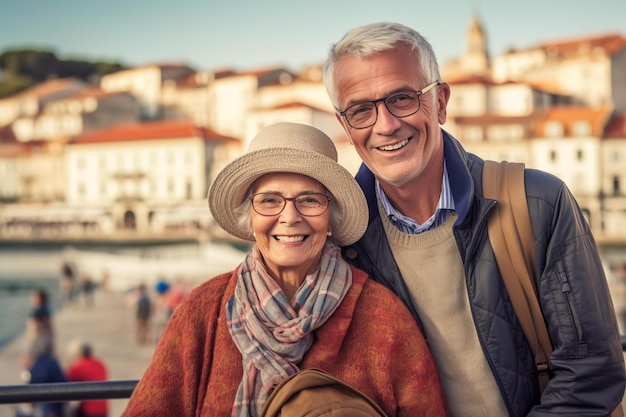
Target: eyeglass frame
[[293, 199], [384, 101]]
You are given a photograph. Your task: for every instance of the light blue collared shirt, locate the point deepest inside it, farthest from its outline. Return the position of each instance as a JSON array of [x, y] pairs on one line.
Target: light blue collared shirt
[[407, 225]]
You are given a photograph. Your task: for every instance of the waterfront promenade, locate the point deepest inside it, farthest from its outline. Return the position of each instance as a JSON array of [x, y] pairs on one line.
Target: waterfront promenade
[[107, 325]]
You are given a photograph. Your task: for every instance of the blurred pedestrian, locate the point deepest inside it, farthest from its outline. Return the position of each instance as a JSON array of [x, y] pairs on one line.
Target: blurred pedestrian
[[84, 366], [175, 295], [143, 313], [161, 307], [68, 281], [45, 369], [39, 330], [87, 289]]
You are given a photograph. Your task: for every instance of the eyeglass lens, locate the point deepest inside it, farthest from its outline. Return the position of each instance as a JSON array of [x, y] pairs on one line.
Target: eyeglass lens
[[400, 105], [310, 204]]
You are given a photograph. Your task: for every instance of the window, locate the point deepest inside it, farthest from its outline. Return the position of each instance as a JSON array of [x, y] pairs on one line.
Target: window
[[554, 129], [581, 128], [473, 133], [616, 187], [615, 156], [189, 188], [505, 132]]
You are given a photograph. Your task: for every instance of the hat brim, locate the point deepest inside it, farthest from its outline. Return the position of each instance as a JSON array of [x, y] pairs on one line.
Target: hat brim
[[228, 191]]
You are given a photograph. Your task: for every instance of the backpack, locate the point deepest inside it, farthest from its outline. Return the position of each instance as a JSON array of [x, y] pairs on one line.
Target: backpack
[[513, 244], [313, 393]]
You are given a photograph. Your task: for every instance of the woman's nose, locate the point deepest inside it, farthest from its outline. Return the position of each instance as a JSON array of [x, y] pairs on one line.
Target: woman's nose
[[290, 213]]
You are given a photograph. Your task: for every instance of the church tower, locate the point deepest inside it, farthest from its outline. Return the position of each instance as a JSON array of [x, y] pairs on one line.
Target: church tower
[[475, 61]]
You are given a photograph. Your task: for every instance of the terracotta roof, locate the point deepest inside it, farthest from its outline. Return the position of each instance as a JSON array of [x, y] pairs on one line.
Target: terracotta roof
[[295, 105], [94, 92], [496, 119], [568, 116], [255, 72], [167, 129], [161, 66], [471, 79], [548, 86], [12, 150], [47, 88], [616, 127], [611, 43], [15, 150], [259, 72]]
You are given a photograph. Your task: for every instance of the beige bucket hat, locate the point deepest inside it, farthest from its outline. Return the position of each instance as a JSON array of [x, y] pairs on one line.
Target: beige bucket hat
[[289, 147]]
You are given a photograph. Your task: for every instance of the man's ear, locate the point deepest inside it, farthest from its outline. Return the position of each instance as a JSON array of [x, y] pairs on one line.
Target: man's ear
[[443, 95]]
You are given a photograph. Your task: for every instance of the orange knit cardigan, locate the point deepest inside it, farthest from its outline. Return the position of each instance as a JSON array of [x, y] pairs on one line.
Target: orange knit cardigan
[[372, 342]]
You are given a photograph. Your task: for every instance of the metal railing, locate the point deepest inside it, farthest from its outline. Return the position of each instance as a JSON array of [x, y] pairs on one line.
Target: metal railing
[[66, 391], [80, 391]]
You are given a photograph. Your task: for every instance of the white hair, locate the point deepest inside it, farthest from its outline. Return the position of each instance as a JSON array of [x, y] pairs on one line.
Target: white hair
[[365, 41]]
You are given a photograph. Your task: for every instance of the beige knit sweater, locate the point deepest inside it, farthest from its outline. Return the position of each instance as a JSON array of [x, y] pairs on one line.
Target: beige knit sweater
[[431, 266]]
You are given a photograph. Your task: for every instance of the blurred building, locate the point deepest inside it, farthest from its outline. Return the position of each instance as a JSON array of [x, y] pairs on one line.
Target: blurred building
[[557, 106], [138, 153]]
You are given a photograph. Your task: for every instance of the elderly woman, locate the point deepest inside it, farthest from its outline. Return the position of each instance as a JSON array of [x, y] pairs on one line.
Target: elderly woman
[[293, 303]]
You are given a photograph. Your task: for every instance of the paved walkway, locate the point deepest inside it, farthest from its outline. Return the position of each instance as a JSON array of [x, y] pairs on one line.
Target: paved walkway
[[107, 325]]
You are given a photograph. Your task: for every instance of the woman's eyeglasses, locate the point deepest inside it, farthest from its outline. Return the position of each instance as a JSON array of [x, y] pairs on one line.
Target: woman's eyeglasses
[[307, 204]]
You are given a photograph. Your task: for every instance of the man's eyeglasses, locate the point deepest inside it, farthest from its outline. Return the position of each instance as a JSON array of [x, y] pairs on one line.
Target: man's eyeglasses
[[402, 104], [308, 204]]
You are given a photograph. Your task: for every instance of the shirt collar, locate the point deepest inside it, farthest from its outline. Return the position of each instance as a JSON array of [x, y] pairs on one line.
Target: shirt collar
[[445, 206]]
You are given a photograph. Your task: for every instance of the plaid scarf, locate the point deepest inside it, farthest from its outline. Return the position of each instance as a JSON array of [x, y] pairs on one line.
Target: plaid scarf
[[271, 334]]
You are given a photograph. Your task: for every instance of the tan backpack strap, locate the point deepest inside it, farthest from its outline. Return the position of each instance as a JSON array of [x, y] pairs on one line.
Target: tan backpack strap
[[512, 240]]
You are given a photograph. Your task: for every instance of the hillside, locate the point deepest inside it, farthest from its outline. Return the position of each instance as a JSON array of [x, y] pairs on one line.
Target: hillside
[[23, 68]]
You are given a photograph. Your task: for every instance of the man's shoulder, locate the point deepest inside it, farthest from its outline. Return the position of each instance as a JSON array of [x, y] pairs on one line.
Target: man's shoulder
[[542, 187]]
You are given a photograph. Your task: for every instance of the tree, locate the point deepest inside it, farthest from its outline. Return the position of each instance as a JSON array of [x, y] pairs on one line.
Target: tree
[[23, 68]]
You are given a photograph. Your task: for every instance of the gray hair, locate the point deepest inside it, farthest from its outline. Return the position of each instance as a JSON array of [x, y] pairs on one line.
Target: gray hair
[[244, 218], [365, 41]]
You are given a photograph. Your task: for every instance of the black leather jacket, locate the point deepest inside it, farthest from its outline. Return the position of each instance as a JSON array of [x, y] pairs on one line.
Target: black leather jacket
[[587, 364]]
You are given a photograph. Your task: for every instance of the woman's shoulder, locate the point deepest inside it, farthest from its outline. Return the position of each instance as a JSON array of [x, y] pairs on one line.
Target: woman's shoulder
[[209, 291], [375, 294], [379, 313]]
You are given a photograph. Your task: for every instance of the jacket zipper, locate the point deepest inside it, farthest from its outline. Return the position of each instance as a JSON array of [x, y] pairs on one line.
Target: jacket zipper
[[567, 290]]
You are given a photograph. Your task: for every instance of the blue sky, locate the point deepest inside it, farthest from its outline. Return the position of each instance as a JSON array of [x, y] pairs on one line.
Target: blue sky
[[210, 34]]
